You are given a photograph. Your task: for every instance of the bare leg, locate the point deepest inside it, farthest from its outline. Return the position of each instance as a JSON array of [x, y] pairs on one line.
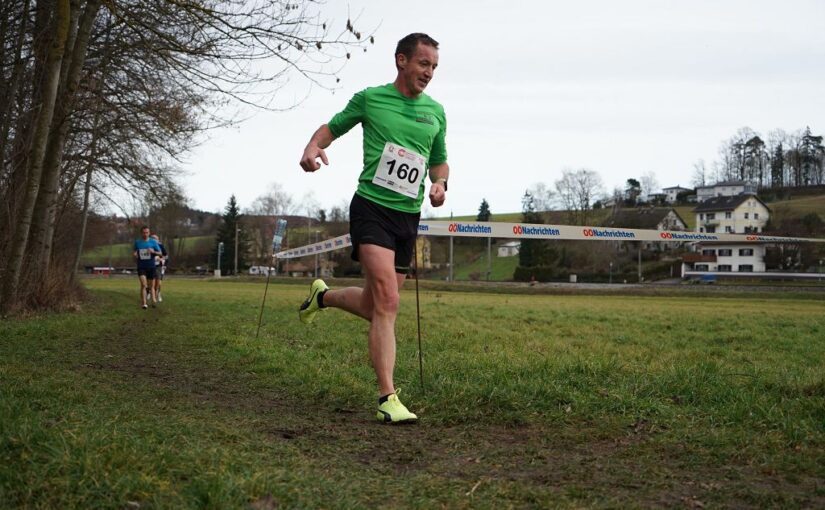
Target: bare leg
[[143, 284], [377, 303]]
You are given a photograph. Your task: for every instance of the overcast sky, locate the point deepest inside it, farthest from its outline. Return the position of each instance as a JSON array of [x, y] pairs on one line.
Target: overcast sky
[[533, 87]]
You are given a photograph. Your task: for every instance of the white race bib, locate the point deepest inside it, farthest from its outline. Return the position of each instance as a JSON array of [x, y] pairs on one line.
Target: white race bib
[[143, 253], [400, 170]]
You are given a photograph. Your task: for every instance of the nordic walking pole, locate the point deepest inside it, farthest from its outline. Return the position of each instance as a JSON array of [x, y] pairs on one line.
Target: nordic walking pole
[[261, 315], [418, 317], [277, 239]]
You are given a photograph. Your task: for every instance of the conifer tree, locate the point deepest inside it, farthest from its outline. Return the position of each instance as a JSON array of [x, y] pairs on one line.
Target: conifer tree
[[230, 221]]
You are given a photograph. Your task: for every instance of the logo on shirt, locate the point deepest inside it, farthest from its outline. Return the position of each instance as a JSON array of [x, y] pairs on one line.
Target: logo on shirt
[[425, 118]]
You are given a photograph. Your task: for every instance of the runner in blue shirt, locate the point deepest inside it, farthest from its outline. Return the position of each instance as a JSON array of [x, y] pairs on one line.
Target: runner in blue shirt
[[145, 251]]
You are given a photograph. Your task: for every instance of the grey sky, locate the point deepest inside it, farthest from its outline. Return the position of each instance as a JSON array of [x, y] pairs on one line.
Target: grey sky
[[531, 88]]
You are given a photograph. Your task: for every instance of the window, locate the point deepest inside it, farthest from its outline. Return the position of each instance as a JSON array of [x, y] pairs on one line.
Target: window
[[711, 230], [756, 215], [728, 229], [746, 252], [711, 216], [746, 215], [701, 216], [708, 252], [745, 268], [701, 229], [727, 215], [724, 268], [725, 252], [700, 267]]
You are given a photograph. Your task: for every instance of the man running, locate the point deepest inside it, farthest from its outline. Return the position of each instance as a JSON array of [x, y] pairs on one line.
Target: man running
[[404, 136], [145, 250], [160, 267]]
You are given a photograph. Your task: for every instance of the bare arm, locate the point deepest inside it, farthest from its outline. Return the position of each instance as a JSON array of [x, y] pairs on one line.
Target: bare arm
[[438, 190], [320, 140]]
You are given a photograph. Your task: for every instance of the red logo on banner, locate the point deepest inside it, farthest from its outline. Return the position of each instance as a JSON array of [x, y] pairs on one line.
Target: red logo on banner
[[517, 230], [453, 227], [666, 235], [752, 238], [588, 232]]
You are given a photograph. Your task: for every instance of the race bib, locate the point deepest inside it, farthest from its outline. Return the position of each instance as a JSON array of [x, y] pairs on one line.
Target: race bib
[[143, 253], [400, 170]]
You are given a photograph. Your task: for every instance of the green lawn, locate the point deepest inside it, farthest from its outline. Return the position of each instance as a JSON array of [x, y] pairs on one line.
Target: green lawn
[[529, 401]]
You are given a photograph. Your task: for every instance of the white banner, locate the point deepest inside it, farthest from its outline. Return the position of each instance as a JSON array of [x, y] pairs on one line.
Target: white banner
[[560, 232]]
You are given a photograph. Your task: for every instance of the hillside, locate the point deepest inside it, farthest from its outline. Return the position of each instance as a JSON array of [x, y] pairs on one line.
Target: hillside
[[780, 209], [470, 259], [121, 254]]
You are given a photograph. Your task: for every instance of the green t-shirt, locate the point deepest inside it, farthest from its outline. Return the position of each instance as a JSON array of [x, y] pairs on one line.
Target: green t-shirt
[[386, 115]]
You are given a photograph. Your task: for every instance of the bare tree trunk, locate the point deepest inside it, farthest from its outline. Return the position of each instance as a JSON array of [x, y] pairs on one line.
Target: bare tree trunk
[[86, 191], [45, 217], [43, 122], [10, 89], [11, 99]]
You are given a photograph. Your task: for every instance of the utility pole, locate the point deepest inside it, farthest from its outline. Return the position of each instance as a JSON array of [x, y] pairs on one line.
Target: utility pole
[[237, 229], [316, 255], [111, 240], [489, 257], [640, 262], [220, 251], [450, 274]]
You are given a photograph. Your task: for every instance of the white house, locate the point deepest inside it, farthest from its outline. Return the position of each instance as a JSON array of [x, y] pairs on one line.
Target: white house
[[672, 192], [740, 214], [655, 218], [509, 249], [724, 189], [723, 257]]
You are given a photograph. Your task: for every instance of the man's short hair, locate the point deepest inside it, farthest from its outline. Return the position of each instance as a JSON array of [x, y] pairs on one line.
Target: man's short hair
[[145, 227], [408, 44]]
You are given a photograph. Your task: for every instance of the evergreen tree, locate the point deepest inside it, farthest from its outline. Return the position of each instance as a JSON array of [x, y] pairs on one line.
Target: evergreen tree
[[533, 252], [632, 192], [484, 213], [778, 167], [812, 153], [230, 227]]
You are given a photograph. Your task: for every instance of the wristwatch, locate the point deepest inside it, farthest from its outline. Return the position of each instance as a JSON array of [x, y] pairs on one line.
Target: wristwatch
[[443, 181]]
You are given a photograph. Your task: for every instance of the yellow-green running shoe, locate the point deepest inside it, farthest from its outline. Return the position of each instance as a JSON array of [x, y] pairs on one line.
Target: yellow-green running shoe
[[310, 306], [393, 411]]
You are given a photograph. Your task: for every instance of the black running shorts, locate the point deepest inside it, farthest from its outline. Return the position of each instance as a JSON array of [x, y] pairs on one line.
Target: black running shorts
[[149, 273], [371, 223]]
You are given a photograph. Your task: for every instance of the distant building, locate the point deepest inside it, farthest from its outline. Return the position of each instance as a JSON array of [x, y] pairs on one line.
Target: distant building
[[509, 249], [656, 198], [724, 189], [423, 250], [649, 218], [740, 214], [725, 257], [672, 193]]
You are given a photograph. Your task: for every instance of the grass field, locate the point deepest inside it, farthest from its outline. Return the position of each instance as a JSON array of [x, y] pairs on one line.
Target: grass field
[[529, 401]]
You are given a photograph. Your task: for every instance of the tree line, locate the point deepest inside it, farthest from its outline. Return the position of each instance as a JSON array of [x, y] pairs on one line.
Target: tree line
[[100, 99], [779, 160]]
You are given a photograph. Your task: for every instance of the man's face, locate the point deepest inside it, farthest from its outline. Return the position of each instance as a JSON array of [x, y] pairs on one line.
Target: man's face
[[418, 70], [145, 233]]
